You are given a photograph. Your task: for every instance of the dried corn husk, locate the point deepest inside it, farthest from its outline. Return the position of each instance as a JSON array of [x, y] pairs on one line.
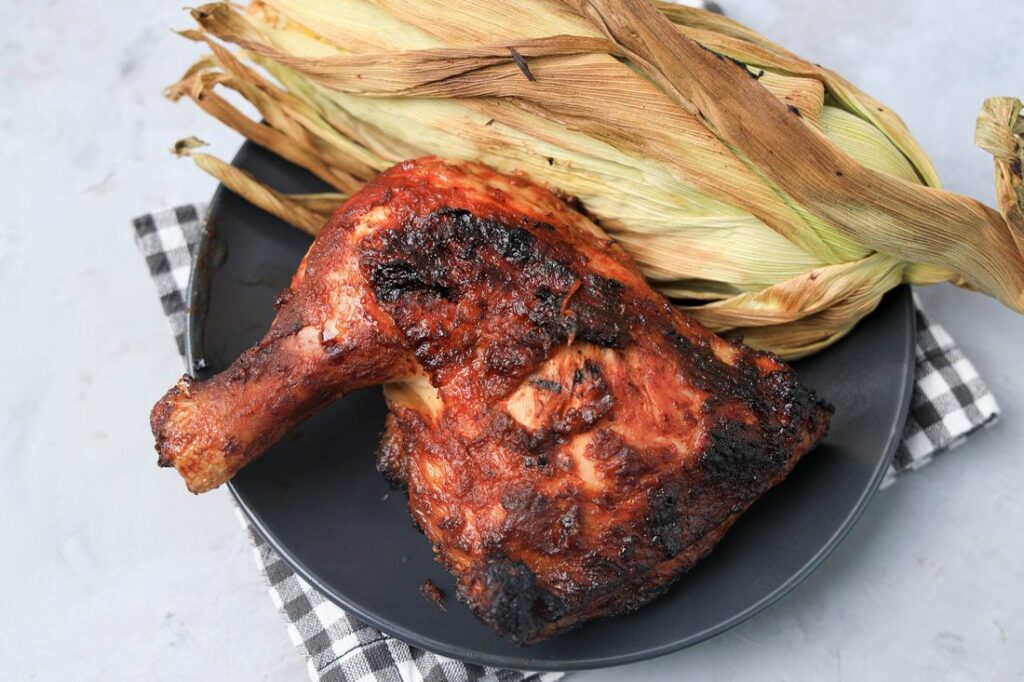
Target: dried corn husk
[[768, 195]]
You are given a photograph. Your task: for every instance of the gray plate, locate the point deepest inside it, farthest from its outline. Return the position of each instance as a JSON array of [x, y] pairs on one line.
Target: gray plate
[[320, 502]]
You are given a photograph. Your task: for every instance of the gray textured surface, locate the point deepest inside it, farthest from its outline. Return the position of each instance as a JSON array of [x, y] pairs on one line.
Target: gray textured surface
[[111, 571]]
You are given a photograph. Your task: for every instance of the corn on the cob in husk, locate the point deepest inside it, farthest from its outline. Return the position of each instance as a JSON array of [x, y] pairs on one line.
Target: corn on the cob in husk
[[769, 196]]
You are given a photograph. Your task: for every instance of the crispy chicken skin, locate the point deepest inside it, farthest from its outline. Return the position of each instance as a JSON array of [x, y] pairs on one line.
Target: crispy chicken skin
[[569, 442]]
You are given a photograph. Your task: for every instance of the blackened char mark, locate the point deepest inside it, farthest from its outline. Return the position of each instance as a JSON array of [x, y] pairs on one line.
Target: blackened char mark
[[510, 599], [736, 460], [665, 521], [806, 411], [601, 312], [461, 286], [513, 243], [547, 385], [713, 376], [746, 459], [394, 279], [776, 397]]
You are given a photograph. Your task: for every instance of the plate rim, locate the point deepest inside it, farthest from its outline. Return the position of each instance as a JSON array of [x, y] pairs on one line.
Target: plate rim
[[195, 296]]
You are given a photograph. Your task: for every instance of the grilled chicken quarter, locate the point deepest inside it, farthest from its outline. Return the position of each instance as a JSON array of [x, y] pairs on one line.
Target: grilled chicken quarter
[[570, 443]]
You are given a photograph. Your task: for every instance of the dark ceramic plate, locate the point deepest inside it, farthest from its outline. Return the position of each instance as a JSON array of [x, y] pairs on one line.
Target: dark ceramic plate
[[321, 503]]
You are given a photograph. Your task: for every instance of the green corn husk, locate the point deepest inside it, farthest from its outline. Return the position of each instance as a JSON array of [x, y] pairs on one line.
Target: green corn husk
[[767, 195]]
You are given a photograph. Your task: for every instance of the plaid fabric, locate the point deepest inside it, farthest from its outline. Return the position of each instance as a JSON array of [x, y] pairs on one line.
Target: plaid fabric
[[339, 648], [166, 239], [950, 401]]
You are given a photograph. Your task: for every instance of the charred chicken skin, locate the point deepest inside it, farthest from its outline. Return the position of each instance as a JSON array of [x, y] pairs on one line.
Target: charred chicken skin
[[570, 443]]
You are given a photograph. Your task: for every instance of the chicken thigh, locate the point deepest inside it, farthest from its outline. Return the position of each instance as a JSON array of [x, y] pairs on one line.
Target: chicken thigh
[[570, 443]]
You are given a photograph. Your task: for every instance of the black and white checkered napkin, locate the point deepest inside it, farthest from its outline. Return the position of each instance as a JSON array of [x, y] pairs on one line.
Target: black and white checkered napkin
[[950, 401]]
